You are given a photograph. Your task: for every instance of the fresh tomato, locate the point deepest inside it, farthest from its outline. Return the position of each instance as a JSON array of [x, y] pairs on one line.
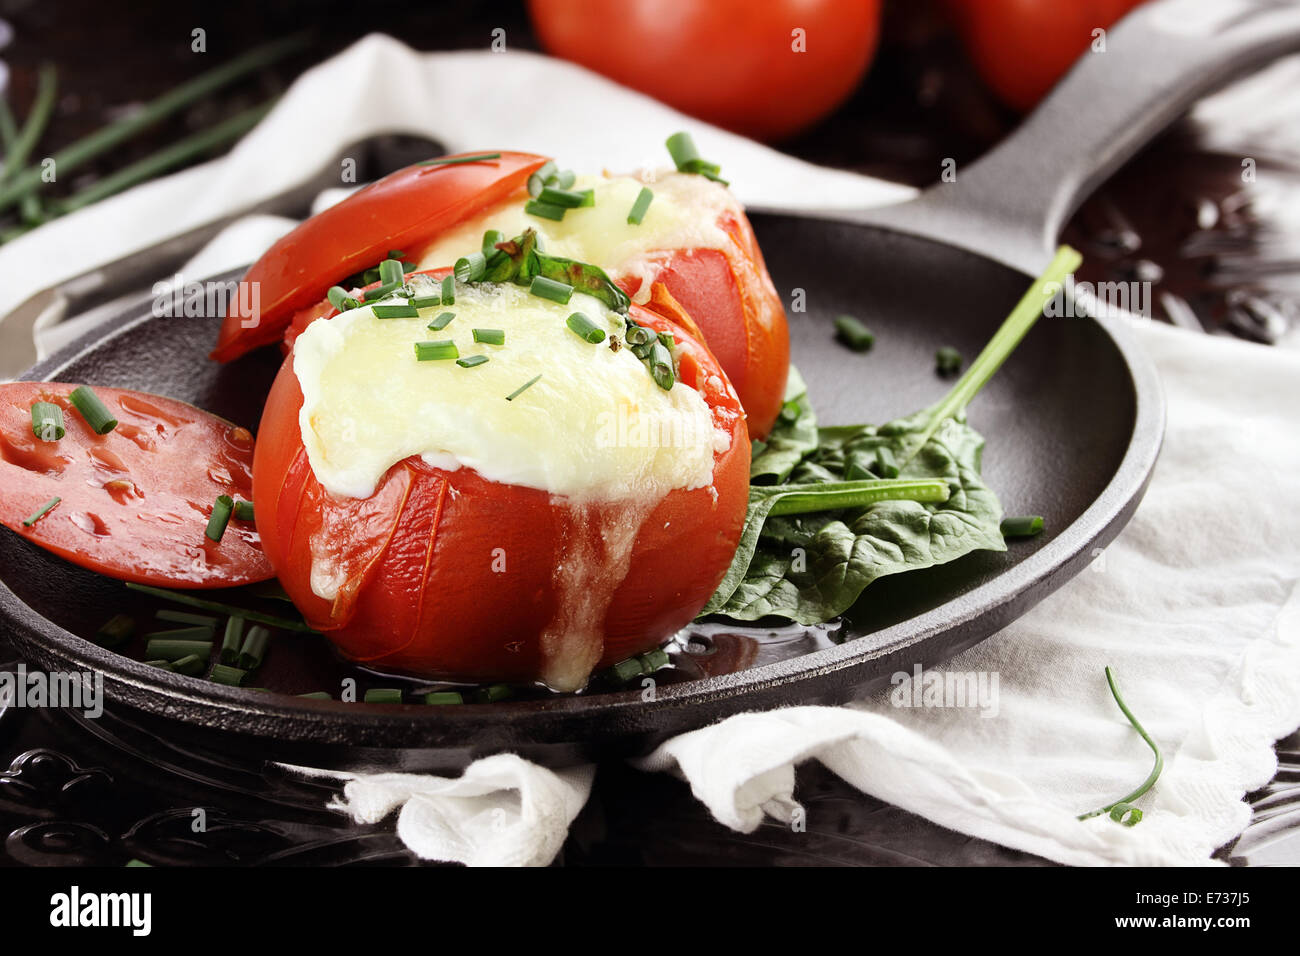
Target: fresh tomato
[[450, 575], [766, 70], [397, 211], [1022, 47], [730, 296], [134, 503]]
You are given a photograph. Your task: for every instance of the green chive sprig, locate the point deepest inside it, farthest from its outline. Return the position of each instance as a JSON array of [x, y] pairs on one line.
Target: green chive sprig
[[47, 421], [584, 328], [93, 410], [458, 160], [639, 208], [524, 387], [222, 509], [41, 512], [440, 350]]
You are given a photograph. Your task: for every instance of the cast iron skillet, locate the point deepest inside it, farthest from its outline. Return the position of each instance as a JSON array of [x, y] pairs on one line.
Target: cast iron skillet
[[1073, 423]]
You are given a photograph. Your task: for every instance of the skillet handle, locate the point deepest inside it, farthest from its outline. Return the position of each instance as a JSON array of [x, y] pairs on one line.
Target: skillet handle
[[1012, 203]]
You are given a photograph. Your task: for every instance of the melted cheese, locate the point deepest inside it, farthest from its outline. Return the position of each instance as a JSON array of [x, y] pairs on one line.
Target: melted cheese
[[683, 215], [594, 427]]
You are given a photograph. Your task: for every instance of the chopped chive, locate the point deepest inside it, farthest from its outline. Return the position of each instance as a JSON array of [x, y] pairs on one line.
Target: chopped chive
[[682, 149], [470, 268], [457, 160], [471, 361], [441, 321], [185, 617], [161, 665], [886, 465], [426, 301], [638, 211], [853, 333], [95, 412], [396, 311], [115, 631], [224, 674], [545, 210], [639, 335], [191, 664], [584, 328], [244, 510], [221, 510], [651, 661], [490, 240], [1022, 526], [566, 197], [40, 512], [712, 174], [667, 339], [537, 181], [661, 366], [564, 179], [523, 388], [382, 291], [546, 288], [396, 254], [168, 649], [436, 351], [624, 671], [449, 290], [254, 648], [390, 270], [47, 421], [444, 697], [284, 623], [495, 692], [948, 361], [317, 695], [233, 640], [383, 695], [340, 299], [490, 336]]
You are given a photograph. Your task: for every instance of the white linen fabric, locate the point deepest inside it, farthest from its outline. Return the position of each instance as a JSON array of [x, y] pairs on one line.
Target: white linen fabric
[[1196, 604]]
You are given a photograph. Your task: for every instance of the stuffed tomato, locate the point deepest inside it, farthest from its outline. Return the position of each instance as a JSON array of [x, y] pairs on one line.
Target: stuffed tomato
[[489, 488], [693, 239]]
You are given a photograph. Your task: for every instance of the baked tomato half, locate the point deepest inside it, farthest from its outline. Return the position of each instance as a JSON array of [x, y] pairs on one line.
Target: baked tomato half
[[442, 572], [396, 212], [694, 238], [133, 503]]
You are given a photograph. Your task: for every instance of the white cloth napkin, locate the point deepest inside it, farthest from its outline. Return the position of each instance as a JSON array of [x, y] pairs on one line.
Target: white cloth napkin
[[1195, 605]]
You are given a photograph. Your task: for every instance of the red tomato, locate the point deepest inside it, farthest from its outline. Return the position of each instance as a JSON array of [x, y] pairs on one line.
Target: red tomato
[[447, 574], [135, 502], [396, 212], [735, 63], [730, 296], [1022, 47]]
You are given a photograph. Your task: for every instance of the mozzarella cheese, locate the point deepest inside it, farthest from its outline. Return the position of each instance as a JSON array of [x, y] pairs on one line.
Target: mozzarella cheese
[[683, 215], [593, 427]]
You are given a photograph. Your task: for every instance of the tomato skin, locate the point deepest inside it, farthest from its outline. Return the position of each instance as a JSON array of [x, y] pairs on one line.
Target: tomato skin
[[1022, 47], [450, 575], [730, 296], [135, 501], [399, 211], [730, 62]]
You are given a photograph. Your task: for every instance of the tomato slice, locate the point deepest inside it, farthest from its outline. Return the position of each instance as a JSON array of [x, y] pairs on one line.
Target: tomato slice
[[400, 211], [134, 502]]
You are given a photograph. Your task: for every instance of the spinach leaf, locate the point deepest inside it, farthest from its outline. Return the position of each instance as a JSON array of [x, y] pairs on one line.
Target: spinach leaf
[[811, 563], [792, 437]]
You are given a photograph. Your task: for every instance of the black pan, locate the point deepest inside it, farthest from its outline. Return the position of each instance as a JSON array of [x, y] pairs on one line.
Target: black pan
[[1073, 423]]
